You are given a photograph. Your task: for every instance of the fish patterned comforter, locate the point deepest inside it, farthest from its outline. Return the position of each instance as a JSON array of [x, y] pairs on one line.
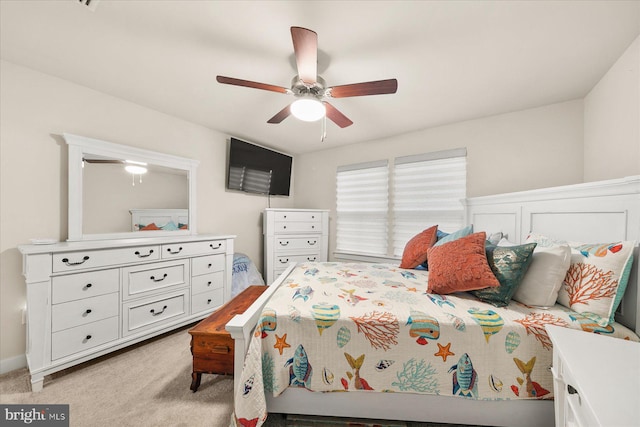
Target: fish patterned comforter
[[374, 328]]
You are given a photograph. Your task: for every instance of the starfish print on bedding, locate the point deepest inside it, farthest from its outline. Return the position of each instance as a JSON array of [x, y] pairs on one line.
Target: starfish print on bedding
[[444, 352], [281, 343]]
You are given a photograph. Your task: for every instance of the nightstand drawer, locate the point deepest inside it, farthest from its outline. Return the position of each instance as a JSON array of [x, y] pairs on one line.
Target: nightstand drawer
[[151, 312], [153, 278], [76, 313], [207, 264], [84, 337], [83, 285], [207, 282], [207, 300], [306, 243], [78, 260], [179, 250]]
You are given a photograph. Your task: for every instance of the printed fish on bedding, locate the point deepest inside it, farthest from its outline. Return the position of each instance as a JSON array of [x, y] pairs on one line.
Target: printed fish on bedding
[[300, 370], [423, 326]]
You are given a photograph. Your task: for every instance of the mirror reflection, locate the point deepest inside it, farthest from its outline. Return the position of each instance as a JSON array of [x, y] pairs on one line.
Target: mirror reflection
[[121, 196], [123, 192]]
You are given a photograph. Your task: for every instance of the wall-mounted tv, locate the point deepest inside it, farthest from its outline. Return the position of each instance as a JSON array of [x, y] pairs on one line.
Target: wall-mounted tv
[[256, 169]]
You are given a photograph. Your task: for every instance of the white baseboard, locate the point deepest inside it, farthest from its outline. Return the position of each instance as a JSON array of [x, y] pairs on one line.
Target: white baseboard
[[13, 363]]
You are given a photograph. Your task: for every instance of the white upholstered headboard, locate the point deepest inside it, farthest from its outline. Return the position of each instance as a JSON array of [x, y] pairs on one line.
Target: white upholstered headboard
[[595, 212]]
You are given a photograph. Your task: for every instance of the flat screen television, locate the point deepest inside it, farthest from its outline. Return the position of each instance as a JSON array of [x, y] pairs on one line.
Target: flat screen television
[[256, 169]]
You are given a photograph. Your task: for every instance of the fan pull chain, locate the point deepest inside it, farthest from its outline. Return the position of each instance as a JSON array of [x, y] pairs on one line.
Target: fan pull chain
[[324, 128]]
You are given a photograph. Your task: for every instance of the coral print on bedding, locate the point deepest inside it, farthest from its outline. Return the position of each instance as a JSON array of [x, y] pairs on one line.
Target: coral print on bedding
[[335, 327]]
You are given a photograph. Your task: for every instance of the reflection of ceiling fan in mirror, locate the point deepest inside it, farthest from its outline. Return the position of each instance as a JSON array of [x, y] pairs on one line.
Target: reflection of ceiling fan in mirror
[[133, 167], [310, 89]]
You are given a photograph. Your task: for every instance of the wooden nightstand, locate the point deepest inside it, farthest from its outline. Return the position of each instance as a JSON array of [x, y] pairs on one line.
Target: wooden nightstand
[[211, 345], [596, 379]]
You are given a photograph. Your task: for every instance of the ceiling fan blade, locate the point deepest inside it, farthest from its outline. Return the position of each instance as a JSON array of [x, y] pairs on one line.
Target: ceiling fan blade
[[305, 46], [379, 87], [248, 83], [280, 116], [336, 116]]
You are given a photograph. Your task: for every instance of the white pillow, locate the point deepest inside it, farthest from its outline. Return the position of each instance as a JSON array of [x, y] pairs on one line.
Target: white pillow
[[543, 279]]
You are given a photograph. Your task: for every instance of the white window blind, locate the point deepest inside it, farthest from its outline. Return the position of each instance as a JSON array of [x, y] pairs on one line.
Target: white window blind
[[362, 208], [428, 189]]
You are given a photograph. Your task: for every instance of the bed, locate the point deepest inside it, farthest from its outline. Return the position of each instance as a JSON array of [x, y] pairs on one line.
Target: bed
[[159, 219], [446, 372]]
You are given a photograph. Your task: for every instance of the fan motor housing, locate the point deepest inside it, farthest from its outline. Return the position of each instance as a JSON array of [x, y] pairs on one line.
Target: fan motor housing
[[300, 88]]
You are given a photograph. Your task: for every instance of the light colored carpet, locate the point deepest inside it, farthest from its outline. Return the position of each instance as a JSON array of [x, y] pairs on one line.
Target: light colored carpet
[[143, 385]]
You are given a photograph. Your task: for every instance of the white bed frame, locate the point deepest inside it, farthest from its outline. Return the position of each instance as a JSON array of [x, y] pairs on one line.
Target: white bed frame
[[593, 212], [159, 217]]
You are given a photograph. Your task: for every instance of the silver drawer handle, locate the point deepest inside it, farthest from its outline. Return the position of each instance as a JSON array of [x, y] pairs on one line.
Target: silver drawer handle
[[158, 280], [283, 261], [69, 263], [153, 311], [309, 242], [283, 243], [217, 247], [311, 259], [174, 252], [143, 256]]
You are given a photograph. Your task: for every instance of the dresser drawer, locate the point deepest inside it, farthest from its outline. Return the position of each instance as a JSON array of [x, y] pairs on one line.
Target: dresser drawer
[[207, 282], [77, 260], [306, 243], [298, 217], [84, 337], [284, 260], [298, 227], [154, 278], [207, 300], [207, 264], [80, 312], [83, 285], [154, 311], [179, 250]]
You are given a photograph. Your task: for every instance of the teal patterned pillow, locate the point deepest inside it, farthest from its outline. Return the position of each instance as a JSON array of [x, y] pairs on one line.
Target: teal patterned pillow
[[170, 226], [509, 264]]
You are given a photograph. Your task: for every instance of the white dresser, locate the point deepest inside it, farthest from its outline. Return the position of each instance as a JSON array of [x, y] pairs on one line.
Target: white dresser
[[596, 379], [293, 235], [89, 298]]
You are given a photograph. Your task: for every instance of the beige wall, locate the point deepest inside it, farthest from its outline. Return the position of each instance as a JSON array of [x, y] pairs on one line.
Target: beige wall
[[612, 120], [35, 110], [523, 150]]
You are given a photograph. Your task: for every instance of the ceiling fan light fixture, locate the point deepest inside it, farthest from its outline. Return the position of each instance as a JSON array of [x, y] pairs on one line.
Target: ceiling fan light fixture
[[135, 170], [308, 109]]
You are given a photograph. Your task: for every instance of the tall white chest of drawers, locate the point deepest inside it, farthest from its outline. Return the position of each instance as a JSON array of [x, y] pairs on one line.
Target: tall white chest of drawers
[[86, 299], [294, 235]]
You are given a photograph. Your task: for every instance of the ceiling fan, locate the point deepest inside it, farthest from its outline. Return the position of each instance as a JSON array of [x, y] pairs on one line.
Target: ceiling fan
[[310, 89]]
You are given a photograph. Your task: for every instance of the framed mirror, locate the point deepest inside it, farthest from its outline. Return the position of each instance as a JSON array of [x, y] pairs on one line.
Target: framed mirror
[[117, 191]]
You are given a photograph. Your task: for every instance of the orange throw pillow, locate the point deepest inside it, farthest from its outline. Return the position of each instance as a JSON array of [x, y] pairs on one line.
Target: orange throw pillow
[[415, 251], [460, 265], [151, 226]]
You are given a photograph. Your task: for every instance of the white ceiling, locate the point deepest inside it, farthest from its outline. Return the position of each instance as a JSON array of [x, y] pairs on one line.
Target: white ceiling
[[454, 60]]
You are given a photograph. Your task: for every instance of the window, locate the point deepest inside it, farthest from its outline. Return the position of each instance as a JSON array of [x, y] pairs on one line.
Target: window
[[362, 196], [426, 189]]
